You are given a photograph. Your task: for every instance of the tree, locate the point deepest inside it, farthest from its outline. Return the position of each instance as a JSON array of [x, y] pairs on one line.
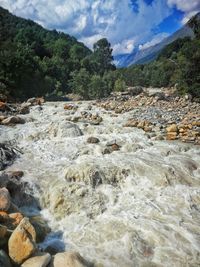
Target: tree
[[103, 56], [97, 87], [120, 85], [80, 83]]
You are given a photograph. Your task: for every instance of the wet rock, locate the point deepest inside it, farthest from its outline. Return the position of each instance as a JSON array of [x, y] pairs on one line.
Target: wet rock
[[94, 174], [39, 260], [68, 129], [115, 147], [15, 174], [93, 140], [4, 259], [8, 154], [36, 101], [69, 107], [3, 231], [21, 244], [70, 259], [106, 151], [4, 199], [2, 106], [2, 118], [13, 120], [41, 228], [24, 108]]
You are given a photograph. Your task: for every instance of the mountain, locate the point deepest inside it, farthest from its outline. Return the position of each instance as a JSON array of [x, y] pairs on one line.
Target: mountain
[[150, 53]]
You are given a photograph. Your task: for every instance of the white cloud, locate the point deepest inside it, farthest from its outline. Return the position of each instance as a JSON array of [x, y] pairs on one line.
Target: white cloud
[[89, 20], [156, 40], [125, 47], [189, 7]]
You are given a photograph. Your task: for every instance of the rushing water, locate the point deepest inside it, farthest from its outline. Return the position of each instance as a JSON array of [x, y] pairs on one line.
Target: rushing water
[[139, 206]]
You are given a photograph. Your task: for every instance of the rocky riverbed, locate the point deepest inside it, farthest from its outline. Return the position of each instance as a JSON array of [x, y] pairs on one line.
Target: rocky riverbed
[[108, 186]]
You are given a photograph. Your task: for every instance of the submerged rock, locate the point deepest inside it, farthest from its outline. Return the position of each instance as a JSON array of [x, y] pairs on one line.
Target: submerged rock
[[93, 140], [67, 129]]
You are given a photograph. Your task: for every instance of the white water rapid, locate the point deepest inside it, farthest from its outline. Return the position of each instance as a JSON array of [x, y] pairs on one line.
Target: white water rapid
[[139, 206]]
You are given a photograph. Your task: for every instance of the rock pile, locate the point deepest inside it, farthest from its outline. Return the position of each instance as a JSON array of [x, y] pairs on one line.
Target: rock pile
[[87, 117], [19, 234], [9, 113], [157, 113]]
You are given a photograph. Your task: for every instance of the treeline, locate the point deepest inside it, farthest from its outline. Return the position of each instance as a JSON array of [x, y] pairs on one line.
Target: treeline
[[38, 62], [178, 64]]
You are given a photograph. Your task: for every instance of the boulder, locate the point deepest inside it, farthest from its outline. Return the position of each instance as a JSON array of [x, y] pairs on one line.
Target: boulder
[[4, 199], [70, 259], [93, 140], [13, 120], [69, 106], [40, 260], [68, 129], [21, 244], [4, 259]]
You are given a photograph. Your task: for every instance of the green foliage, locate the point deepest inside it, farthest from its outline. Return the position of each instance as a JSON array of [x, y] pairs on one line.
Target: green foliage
[[80, 83], [120, 85], [103, 56], [97, 87], [34, 61], [178, 63]]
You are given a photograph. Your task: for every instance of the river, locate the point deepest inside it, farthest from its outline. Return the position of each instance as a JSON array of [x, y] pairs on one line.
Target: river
[[137, 206]]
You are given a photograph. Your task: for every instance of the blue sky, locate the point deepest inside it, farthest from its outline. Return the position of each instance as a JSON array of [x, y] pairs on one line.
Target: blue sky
[[128, 24]]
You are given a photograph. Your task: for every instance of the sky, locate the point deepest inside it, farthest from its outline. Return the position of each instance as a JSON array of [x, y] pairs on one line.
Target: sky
[[127, 24]]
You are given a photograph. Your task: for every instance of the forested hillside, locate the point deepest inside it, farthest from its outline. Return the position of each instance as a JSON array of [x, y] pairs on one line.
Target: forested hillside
[[35, 61]]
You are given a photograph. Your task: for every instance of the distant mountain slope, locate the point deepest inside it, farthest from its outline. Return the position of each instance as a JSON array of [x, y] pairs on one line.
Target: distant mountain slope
[[149, 54]]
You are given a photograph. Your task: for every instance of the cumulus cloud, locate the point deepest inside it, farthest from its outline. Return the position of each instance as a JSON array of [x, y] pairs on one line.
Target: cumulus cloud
[[189, 7], [125, 47], [89, 20]]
